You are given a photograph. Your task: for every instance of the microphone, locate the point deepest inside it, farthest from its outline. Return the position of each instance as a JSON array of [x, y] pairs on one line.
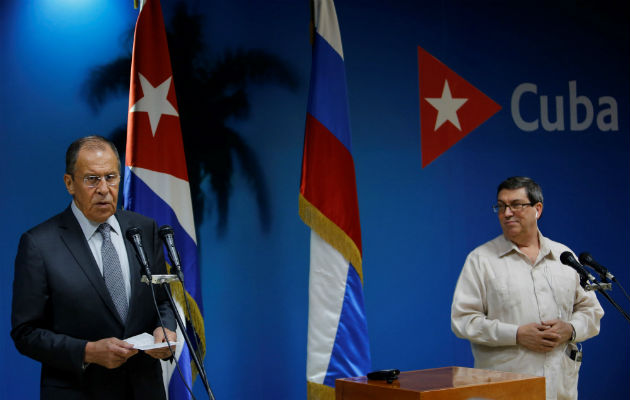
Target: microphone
[[167, 235], [567, 259], [586, 259], [134, 235]]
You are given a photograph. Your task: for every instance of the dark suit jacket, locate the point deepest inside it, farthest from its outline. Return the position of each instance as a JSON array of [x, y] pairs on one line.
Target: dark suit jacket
[[60, 302]]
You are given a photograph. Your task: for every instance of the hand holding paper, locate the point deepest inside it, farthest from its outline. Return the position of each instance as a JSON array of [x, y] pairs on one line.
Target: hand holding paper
[[156, 345]]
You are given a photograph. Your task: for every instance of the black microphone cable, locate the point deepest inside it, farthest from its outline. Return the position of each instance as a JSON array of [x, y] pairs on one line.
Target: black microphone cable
[[167, 235], [168, 343], [134, 235]]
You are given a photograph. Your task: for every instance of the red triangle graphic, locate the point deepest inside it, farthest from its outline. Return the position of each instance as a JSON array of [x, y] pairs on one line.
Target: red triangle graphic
[[437, 136]]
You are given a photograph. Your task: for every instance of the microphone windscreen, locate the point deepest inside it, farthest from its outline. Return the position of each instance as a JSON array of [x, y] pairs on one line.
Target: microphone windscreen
[[567, 258], [131, 232], [585, 258], [165, 230]]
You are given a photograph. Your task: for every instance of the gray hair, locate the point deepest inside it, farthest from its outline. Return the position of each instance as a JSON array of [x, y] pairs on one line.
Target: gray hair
[[88, 142]]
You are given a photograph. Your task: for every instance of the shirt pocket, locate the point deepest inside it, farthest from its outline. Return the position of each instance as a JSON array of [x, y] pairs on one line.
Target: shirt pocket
[[563, 286], [568, 379], [504, 297]]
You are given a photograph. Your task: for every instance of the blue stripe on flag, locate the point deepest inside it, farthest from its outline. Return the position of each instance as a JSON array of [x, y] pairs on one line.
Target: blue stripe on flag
[[148, 203], [327, 100], [350, 353], [176, 387]]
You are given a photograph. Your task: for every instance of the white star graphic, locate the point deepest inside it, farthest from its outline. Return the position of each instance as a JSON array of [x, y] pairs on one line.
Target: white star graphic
[[447, 107], [154, 101]]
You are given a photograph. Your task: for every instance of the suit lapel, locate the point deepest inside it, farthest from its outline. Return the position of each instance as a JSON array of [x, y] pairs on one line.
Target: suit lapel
[[75, 241]]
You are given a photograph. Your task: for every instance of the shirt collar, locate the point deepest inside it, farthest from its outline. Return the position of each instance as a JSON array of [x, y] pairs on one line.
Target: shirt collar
[[507, 246], [89, 227]]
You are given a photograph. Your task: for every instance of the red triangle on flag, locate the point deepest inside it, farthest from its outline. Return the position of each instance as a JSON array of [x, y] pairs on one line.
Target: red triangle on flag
[[154, 136], [450, 107]]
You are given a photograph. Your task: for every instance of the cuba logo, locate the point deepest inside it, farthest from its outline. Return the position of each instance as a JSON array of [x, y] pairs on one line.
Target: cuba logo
[[581, 111], [451, 108]]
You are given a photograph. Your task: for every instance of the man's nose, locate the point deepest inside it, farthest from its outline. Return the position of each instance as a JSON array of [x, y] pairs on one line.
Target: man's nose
[[102, 187]]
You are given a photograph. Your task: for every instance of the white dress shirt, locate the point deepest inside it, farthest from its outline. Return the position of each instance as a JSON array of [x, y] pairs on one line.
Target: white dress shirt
[[95, 241], [499, 289]]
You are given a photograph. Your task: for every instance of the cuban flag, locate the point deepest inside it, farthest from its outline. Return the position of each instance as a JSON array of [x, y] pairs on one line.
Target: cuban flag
[[156, 178], [337, 345]]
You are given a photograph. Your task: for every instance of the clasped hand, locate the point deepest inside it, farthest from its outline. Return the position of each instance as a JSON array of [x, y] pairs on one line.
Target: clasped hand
[[545, 336]]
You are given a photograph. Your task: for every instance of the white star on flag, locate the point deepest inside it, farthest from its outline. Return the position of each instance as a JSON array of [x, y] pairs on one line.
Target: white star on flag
[[447, 107], [154, 101]]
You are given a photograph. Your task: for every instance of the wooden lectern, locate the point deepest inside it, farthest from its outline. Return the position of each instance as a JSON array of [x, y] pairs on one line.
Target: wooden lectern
[[452, 383]]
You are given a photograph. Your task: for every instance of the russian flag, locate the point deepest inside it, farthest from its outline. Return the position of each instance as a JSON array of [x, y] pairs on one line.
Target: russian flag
[[338, 344], [156, 177]]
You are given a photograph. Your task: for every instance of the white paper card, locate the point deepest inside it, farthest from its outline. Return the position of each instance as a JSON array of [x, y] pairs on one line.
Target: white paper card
[[144, 341]]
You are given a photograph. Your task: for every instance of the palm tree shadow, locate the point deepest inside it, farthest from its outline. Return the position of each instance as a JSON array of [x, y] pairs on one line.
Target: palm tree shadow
[[211, 92]]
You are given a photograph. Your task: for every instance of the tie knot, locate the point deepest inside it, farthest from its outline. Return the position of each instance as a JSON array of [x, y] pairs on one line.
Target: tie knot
[[104, 230]]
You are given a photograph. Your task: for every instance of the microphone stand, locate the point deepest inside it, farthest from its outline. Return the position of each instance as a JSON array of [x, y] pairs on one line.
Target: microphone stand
[[620, 287], [597, 287], [606, 276], [586, 278], [163, 281]]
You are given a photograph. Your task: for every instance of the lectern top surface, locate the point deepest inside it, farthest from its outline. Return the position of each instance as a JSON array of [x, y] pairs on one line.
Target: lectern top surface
[[444, 378]]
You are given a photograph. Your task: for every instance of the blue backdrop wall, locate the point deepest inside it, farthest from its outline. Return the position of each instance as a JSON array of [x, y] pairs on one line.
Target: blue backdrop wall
[[418, 223]]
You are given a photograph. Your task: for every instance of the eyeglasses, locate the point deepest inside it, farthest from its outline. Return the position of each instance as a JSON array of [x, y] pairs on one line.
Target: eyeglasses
[[93, 181], [514, 207]]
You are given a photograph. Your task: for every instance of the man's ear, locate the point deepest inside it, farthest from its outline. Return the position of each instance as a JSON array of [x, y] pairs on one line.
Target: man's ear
[[67, 179], [539, 208]]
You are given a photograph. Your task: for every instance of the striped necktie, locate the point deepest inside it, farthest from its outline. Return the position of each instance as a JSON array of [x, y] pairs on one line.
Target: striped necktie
[[112, 272]]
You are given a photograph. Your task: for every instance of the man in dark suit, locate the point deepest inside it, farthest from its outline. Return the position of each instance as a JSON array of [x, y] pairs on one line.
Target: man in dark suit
[[70, 311]]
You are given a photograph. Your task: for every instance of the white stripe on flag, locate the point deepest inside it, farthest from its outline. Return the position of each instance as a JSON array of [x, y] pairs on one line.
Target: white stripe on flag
[[169, 367], [175, 192], [327, 287], [326, 24]]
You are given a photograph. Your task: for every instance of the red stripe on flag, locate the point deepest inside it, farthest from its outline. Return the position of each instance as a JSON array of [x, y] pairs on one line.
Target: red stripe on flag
[[328, 179]]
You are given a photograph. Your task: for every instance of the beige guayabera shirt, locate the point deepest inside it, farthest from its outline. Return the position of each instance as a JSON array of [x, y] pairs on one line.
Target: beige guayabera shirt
[[499, 289]]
